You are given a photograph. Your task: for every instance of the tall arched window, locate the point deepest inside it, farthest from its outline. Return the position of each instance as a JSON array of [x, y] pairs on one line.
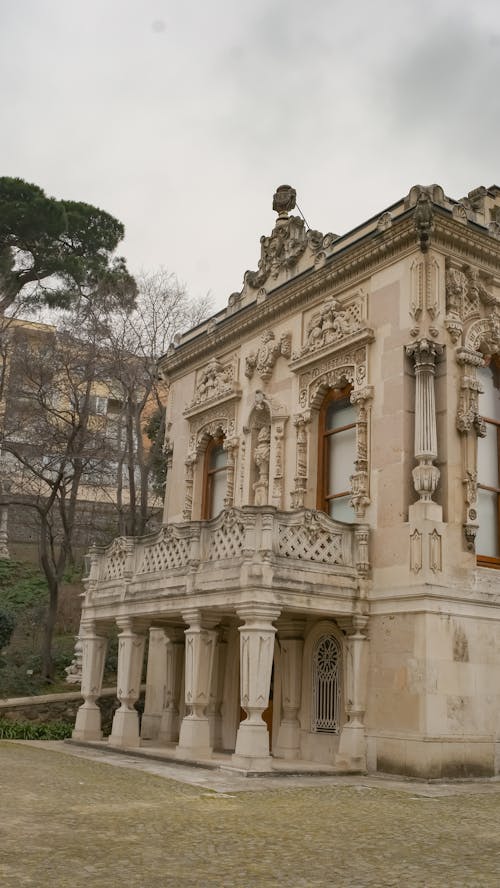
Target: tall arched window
[[326, 678], [215, 478], [337, 450], [488, 470]]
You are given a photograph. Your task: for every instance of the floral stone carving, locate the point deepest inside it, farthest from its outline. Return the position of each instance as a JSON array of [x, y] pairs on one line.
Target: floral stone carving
[[264, 359], [328, 325]]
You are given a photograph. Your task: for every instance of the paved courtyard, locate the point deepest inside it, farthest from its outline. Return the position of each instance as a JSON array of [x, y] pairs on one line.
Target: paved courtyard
[[75, 817]]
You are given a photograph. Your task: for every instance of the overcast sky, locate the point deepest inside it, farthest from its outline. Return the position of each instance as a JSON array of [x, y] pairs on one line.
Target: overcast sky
[[181, 119]]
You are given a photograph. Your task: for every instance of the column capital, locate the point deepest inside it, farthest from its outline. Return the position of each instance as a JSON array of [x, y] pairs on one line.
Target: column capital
[[258, 613], [131, 626]]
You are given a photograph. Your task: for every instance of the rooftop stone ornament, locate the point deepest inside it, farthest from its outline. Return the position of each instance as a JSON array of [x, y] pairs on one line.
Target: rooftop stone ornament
[[284, 200]]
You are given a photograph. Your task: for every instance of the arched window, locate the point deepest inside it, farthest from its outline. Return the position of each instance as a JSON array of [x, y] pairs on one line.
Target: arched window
[[326, 676], [337, 450], [488, 470], [215, 478]]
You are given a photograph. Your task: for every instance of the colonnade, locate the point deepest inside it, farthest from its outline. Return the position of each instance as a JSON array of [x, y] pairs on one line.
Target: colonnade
[[191, 676]]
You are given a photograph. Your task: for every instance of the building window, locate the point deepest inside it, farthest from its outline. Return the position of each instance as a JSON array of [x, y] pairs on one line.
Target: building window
[[337, 449], [488, 470], [326, 674], [215, 478]]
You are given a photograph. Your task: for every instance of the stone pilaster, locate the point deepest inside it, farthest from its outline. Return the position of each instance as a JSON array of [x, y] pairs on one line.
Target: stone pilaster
[[351, 753], [217, 690], [425, 475], [194, 736], [231, 447], [125, 730], [169, 727], [256, 662], [188, 487], [155, 684], [88, 719], [360, 498], [300, 421], [291, 641]]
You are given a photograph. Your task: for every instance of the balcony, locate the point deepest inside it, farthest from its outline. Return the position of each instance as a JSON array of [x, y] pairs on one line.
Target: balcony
[[292, 558]]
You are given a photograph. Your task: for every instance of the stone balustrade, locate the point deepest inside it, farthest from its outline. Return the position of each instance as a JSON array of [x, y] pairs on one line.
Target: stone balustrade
[[300, 540]]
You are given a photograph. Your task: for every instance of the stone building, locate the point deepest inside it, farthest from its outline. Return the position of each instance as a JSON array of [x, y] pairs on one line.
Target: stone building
[[324, 587]]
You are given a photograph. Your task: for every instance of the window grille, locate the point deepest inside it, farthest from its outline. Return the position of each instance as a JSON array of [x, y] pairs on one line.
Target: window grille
[[326, 675]]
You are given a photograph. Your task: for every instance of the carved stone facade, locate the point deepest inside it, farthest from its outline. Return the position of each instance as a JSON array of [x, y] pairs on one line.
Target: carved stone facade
[[346, 374]]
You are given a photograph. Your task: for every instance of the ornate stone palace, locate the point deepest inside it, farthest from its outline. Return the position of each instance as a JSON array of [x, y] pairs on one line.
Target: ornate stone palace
[[325, 584]]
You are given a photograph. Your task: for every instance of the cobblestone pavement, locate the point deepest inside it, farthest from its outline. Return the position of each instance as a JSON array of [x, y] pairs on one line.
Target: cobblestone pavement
[[80, 818]]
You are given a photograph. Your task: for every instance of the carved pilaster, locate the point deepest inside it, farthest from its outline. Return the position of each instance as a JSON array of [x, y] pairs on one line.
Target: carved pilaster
[[360, 478], [352, 744], [169, 726], [231, 447], [125, 730], [300, 421], [471, 427], [188, 487], [256, 660], [88, 719], [291, 640], [194, 737], [277, 495], [425, 475]]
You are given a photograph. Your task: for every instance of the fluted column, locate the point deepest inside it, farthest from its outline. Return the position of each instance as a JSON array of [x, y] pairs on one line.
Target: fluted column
[[125, 730], [155, 684], [194, 736], [256, 662], [169, 727], [425, 474], [291, 640], [88, 718], [352, 745]]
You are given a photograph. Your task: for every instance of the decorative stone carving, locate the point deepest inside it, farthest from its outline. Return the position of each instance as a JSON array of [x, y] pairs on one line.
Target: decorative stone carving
[[230, 446], [435, 551], [300, 421], [264, 359], [459, 213], [261, 459], [346, 366], [466, 293], [286, 244], [416, 551], [328, 325], [277, 492], [359, 479], [425, 474], [213, 381], [423, 220], [384, 222]]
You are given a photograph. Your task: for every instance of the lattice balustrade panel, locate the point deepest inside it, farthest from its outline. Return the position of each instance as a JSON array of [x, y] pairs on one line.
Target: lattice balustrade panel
[[321, 546], [114, 566], [164, 554], [226, 542]]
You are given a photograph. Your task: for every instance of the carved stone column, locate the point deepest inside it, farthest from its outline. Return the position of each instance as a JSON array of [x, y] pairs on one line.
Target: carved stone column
[[256, 662], [471, 427], [188, 487], [230, 446], [174, 654], [88, 718], [351, 753], [277, 492], [155, 684], [300, 421], [194, 737], [291, 639], [125, 730], [425, 474], [217, 690], [360, 478]]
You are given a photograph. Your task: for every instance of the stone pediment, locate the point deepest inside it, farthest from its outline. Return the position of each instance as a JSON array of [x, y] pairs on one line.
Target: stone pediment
[[331, 327]]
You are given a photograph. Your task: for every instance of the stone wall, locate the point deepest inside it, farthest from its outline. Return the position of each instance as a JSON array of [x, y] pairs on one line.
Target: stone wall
[[59, 707]]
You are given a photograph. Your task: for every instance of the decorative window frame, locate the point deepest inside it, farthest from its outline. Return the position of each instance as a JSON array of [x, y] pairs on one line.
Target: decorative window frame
[[265, 411], [335, 365], [215, 422], [473, 323], [306, 714]]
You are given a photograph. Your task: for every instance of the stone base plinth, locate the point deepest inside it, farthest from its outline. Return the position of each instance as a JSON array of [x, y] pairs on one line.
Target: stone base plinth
[[252, 747], [150, 726], [194, 738], [125, 730], [288, 743], [351, 755], [88, 723]]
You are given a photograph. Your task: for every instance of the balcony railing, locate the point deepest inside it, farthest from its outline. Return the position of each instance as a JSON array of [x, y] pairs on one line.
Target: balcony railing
[[303, 539]]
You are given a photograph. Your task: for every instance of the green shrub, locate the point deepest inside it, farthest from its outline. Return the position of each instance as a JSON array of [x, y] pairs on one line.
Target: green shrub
[[7, 625], [56, 730]]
